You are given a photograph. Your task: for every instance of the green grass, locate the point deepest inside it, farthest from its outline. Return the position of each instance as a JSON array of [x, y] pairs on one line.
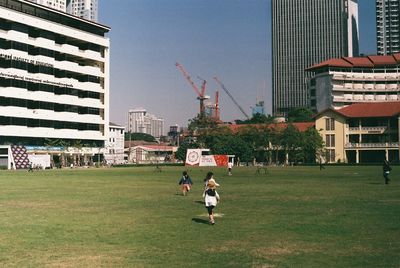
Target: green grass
[[135, 217]]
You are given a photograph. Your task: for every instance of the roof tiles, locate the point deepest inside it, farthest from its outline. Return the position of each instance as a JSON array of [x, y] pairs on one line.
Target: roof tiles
[[377, 109], [362, 62]]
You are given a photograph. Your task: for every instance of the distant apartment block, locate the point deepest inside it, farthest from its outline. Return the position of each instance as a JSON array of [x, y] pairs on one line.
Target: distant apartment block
[[114, 146], [306, 32], [343, 81], [86, 9], [388, 26], [139, 121], [60, 5]]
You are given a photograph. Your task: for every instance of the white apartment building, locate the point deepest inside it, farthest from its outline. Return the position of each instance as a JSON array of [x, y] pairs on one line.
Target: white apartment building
[[114, 145], [54, 78], [139, 121], [86, 9], [60, 5], [387, 26], [343, 81]]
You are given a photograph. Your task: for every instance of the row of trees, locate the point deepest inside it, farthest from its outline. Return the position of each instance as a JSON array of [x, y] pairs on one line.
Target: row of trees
[[264, 143]]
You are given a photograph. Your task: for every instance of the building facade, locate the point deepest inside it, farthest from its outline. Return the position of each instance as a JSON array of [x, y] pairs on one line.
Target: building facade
[[139, 121], [336, 83], [306, 32], [60, 5], [387, 26], [114, 145], [86, 9], [54, 78], [361, 133]]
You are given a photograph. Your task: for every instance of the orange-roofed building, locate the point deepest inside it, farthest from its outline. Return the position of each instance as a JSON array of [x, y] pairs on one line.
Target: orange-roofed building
[[361, 133], [347, 80]]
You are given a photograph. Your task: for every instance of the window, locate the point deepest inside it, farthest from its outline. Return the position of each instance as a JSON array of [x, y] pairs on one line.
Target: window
[[330, 140], [330, 155], [330, 124]]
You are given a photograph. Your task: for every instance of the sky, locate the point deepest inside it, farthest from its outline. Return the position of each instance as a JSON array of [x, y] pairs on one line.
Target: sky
[[230, 39]]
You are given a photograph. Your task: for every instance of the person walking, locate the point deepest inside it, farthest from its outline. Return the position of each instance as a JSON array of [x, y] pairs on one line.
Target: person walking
[[211, 198], [230, 166], [386, 170], [209, 176], [186, 183]]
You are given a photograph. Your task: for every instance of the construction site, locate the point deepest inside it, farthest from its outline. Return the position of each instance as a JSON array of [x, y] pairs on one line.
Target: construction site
[[211, 109]]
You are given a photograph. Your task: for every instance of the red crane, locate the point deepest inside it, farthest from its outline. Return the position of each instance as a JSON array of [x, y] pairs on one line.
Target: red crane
[[200, 93]]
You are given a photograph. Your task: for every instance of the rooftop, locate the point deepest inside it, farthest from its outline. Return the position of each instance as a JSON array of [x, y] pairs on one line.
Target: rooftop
[[363, 62], [364, 110], [377, 109]]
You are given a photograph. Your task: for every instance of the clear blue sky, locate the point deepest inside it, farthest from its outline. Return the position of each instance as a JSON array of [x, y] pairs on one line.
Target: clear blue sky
[[230, 39]]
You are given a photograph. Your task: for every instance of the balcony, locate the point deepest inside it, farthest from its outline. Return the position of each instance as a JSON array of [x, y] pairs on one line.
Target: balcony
[[368, 130], [350, 145]]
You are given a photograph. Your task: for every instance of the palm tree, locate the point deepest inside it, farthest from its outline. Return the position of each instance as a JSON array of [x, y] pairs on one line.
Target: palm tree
[[78, 145], [50, 144], [63, 144]]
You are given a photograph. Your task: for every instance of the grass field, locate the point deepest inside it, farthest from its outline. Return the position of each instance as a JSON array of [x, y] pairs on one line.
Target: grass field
[[135, 217]]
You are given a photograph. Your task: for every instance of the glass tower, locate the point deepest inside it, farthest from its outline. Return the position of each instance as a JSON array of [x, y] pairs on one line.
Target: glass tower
[[304, 33], [387, 26]]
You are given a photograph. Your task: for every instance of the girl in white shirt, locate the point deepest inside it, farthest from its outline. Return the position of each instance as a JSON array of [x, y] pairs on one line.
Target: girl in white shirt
[[211, 198]]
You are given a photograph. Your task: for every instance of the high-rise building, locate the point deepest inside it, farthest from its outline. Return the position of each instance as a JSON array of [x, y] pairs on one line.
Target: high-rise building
[[60, 5], [54, 78], [304, 33], [86, 9], [388, 26], [139, 121]]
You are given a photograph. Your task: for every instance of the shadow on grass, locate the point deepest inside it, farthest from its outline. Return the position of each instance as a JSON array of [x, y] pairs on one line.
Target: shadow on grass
[[200, 202], [197, 220]]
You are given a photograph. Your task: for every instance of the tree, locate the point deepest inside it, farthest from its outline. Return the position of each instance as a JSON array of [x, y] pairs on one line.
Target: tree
[[257, 119], [312, 146], [291, 142], [139, 137], [50, 144], [78, 145], [188, 143], [201, 122], [300, 114]]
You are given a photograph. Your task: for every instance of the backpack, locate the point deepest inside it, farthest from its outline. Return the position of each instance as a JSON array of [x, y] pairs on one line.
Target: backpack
[[210, 192]]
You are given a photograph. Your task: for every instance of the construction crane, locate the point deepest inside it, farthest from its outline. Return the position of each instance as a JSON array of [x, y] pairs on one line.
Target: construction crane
[[230, 95], [216, 107], [200, 93]]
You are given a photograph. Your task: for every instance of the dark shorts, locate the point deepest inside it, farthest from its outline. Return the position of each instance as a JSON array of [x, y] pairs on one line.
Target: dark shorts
[[210, 209]]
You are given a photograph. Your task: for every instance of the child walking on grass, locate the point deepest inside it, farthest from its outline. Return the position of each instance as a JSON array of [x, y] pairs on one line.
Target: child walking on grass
[[211, 198]]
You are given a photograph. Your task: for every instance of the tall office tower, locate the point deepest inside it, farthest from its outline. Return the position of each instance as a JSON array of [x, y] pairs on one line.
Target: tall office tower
[[306, 32], [388, 26], [60, 5], [86, 9]]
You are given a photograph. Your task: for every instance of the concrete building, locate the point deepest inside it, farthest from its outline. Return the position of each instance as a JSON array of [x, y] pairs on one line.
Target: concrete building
[[139, 121], [306, 32], [387, 26], [86, 9], [60, 5], [54, 79], [342, 81], [361, 132], [114, 145]]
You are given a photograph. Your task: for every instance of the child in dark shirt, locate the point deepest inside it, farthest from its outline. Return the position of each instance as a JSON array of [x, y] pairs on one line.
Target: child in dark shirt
[[186, 183]]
